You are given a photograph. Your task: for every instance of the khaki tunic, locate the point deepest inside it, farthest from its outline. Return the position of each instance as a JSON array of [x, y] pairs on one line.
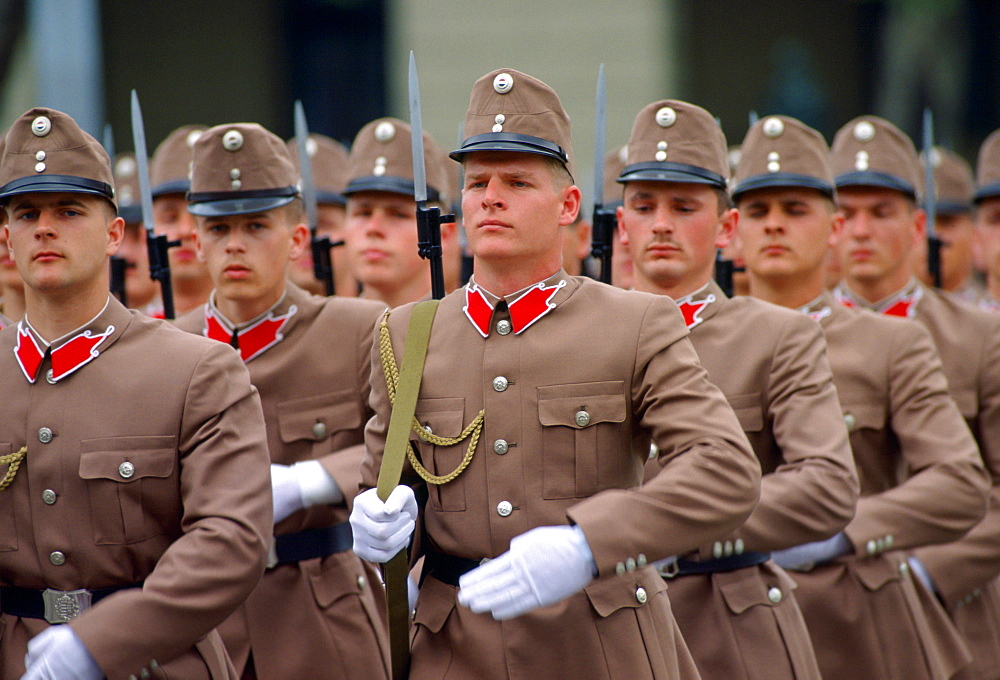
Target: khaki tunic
[[321, 618], [189, 519], [623, 358], [922, 483], [771, 364]]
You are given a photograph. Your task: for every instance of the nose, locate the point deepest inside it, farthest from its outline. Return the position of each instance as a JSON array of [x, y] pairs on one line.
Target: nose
[[857, 226], [375, 224], [44, 225], [492, 195], [662, 221], [772, 223]]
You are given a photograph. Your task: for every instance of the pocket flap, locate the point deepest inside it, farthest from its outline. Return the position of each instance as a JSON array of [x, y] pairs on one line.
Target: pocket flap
[[745, 588], [612, 593], [860, 413], [445, 416], [749, 411], [602, 402], [126, 459], [875, 572], [336, 411], [435, 604]]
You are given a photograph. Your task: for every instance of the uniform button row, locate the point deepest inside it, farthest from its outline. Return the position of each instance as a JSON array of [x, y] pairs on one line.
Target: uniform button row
[[728, 549], [630, 564], [876, 546]]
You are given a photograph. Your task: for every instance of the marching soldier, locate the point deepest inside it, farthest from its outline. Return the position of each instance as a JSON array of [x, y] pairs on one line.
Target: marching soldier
[[134, 492], [170, 177], [328, 159], [141, 291], [571, 379], [381, 222], [771, 365], [987, 200], [877, 173], [317, 611], [922, 481]]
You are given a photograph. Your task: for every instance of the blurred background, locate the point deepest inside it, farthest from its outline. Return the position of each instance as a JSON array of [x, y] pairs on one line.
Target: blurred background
[[217, 61]]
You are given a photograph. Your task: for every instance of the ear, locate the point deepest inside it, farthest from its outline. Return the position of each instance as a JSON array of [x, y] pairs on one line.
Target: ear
[[583, 231], [622, 233], [570, 205], [116, 232], [727, 227], [196, 238], [836, 228], [301, 240], [920, 222]]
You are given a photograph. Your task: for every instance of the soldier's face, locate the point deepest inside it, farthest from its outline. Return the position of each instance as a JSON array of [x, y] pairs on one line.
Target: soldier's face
[[171, 217], [513, 208], [248, 255], [381, 241], [61, 241], [139, 288], [957, 233], [330, 221], [881, 227], [673, 230], [988, 225], [786, 233], [9, 276]]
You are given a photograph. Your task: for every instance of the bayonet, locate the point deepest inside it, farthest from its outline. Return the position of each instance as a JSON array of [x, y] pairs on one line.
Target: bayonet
[[930, 202], [321, 245], [157, 245], [602, 240]]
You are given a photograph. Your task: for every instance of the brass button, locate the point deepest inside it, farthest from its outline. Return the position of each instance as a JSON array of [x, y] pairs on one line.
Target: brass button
[[717, 550], [850, 421], [319, 431], [727, 549], [44, 435], [904, 568], [504, 508], [640, 560], [500, 446], [57, 558], [504, 327], [739, 546], [630, 564], [620, 568], [500, 383], [362, 582], [871, 547], [144, 674], [774, 594], [888, 541], [640, 595], [582, 418], [49, 497], [50, 377], [126, 470]]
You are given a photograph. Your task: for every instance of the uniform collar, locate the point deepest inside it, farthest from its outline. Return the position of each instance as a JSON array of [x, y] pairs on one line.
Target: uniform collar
[[72, 351], [256, 336], [698, 306], [526, 306], [820, 308], [902, 303], [989, 303]]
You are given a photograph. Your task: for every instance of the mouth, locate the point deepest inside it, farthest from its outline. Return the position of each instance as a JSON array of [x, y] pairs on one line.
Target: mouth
[[184, 254], [662, 249], [236, 272], [861, 254], [47, 256], [492, 225], [374, 255], [774, 249]]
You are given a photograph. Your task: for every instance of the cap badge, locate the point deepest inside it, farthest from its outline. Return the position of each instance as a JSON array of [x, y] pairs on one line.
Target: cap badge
[[232, 140], [41, 126], [772, 160], [311, 146], [39, 167], [936, 157], [623, 154], [40, 156], [503, 82], [773, 127], [499, 120], [193, 137], [379, 168], [666, 117], [861, 161], [125, 167], [864, 131], [661, 152], [385, 131]]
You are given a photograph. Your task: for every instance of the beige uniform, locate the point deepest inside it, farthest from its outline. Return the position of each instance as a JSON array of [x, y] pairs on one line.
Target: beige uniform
[[922, 483], [771, 364], [322, 616], [575, 379], [145, 467]]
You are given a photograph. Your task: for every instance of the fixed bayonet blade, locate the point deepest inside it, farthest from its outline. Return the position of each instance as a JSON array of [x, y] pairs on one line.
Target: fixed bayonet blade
[[417, 136], [305, 166], [600, 120], [930, 203], [142, 164]]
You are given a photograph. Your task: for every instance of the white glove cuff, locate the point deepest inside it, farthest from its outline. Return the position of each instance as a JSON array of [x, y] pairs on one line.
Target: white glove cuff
[[316, 486]]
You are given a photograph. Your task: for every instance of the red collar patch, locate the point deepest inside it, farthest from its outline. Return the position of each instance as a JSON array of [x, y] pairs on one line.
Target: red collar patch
[[478, 309], [905, 305], [68, 358], [692, 309], [253, 340], [531, 306]]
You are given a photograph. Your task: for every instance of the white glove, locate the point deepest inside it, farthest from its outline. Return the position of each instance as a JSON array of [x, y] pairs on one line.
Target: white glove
[[412, 593], [58, 654], [302, 485], [543, 566], [383, 529], [918, 568], [806, 556]]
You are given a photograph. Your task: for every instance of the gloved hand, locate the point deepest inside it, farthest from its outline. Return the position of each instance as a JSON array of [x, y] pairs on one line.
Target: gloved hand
[[412, 593], [383, 529], [58, 654], [302, 485], [543, 566], [918, 568], [806, 556]]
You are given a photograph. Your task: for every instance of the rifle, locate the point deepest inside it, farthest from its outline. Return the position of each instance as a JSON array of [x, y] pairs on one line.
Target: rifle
[[321, 245], [157, 245], [930, 202], [604, 221]]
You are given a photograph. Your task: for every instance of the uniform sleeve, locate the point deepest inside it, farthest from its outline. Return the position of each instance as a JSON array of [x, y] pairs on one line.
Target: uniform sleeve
[[219, 557], [959, 568], [944, 491], [812, 494], [710, 478]]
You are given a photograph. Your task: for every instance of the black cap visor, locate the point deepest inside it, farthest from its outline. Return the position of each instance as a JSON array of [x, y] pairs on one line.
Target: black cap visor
[[392, 185], [782, 180], [222, 203], [57, 184], [509, 141], [867, 178], [670, 172]]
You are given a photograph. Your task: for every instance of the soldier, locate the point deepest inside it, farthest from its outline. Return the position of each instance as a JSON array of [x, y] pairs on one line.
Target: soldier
[[571, 379], [141, 291], [328, 160], [621, 258], [135, 496], [170, 176], [987, 200], [11, 288], [922, 481], [954, 226], [771, 365], [877, 174], [315, 613], [381, 212]]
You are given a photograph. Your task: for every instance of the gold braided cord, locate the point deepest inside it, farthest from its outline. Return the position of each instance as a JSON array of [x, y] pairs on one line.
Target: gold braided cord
[[471, 432], [13, 461]]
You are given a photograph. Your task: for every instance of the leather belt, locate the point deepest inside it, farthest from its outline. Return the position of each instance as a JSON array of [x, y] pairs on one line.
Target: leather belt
[[55, 606], [684, 567], [447, 568], [309, 544]]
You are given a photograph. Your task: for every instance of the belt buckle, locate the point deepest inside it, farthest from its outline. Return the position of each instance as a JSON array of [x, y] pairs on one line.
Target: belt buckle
[[670, 569], [62, 606], [272, 554]]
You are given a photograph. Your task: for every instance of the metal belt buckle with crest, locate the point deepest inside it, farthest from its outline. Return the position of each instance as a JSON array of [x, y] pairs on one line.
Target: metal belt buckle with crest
[[62, 606]]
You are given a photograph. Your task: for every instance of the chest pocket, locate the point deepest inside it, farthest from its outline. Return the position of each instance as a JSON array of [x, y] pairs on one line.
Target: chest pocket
[[132, 486], [8, 526], [444, 417], [582, 437], [319, 419]]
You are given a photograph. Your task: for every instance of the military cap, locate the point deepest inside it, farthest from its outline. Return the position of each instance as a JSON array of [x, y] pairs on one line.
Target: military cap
[[170, 167], [328, 160], [673, 141], [779, 151], [382, 160], [988, 168], [240, 168], [512, 111], [126, 173], [46, 151], [614, 163], [871, 151], [953, 182]]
